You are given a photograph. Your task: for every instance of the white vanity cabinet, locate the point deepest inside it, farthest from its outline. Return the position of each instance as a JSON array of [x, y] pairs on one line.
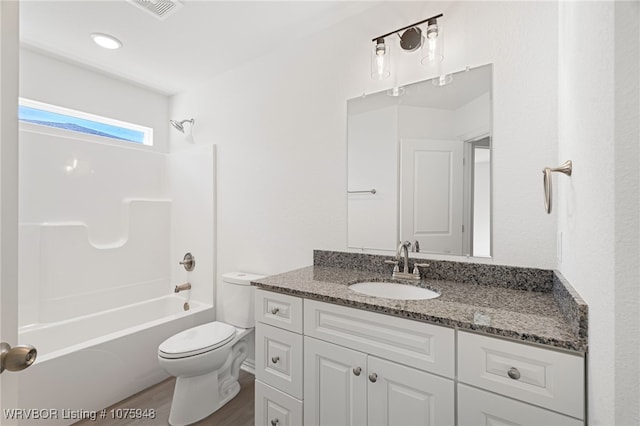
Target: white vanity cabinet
[[324, 364], [354, 372], [278, 389]]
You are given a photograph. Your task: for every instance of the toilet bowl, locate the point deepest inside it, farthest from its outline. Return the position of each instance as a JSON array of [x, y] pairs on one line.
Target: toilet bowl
[[206, 359]]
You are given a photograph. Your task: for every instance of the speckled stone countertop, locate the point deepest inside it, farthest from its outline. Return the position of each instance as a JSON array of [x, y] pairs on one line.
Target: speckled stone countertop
[[532, 316]]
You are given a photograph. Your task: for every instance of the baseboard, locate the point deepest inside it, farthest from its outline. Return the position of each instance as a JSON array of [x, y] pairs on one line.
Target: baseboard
[[249, 365]]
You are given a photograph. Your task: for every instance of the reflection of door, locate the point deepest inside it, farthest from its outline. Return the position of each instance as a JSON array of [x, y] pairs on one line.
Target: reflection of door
[[9, 195], [431, 196]]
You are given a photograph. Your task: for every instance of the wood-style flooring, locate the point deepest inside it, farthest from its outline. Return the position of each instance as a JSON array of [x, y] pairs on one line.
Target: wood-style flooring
[[237, 412]]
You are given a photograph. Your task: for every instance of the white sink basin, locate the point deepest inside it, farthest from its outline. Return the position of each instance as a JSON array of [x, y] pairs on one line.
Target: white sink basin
[[393, 290]]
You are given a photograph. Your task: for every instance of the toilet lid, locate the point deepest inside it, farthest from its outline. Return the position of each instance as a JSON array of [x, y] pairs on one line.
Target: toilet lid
[[197, 340]]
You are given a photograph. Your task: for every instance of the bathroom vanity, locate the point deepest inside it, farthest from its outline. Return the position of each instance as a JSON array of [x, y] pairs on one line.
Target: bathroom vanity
[[478, 354]]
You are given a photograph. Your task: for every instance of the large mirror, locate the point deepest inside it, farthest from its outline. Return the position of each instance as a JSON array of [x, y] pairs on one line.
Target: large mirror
[[419, 166]]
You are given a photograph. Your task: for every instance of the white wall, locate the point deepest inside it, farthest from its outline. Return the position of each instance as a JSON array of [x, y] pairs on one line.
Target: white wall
[[598, 206], [372, 156], [474, 119], [426, 123], [50, 80], [279, 124]]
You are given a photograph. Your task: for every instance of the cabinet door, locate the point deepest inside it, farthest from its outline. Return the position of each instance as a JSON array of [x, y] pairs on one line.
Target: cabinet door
[[335, 385], [478, 407], [400, 395]]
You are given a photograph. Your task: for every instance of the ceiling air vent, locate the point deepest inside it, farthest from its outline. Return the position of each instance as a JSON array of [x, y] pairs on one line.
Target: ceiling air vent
[[158, 8]]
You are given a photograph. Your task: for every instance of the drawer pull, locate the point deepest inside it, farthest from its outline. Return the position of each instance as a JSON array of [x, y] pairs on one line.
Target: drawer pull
[[373, 377], [514, 373], [274, 422], [274, 311], [275, 360], [357, 371]]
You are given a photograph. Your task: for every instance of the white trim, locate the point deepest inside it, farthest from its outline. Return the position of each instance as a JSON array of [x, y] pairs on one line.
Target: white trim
[[147, 131]]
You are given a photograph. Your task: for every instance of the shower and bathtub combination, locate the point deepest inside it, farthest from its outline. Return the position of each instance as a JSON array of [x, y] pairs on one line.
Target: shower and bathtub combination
[[103, 228]]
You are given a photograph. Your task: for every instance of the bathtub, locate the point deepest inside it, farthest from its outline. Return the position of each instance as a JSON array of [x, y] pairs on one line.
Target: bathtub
[[90, 362]]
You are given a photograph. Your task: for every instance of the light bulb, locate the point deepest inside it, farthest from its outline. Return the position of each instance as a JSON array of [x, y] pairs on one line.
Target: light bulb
[[106, 41]]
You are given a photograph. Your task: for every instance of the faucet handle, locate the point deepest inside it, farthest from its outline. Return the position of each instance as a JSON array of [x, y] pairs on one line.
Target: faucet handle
[[393, 262], [416, 271]]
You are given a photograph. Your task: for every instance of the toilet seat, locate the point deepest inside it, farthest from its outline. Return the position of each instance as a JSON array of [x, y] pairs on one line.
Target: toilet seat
[[197, 340]]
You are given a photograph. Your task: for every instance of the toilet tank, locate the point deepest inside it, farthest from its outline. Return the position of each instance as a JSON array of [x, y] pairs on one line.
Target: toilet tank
[[237, 298]]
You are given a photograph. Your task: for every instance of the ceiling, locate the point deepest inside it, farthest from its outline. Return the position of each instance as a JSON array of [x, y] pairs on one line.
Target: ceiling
[[192, 44], [465, 86]]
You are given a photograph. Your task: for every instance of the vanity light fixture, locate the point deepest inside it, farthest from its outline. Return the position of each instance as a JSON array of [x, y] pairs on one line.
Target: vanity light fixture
[[396, 91], [411, 39], [380, 60], [106, 41], [442, 80]]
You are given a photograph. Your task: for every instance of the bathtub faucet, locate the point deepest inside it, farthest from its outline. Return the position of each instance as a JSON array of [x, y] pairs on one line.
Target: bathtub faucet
[[182, 287]]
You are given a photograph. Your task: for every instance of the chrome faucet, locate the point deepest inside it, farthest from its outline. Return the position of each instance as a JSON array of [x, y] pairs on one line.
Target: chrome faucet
[[403, 251], [182, 287]]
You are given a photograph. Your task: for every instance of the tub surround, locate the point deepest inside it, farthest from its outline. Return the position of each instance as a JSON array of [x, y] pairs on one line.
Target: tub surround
[[526, 304]]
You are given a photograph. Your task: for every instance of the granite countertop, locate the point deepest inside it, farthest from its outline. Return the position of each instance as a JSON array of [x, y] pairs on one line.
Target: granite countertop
[[495, 310]]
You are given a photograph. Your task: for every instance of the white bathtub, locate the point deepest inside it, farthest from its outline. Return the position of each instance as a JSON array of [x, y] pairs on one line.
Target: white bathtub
[[91, 362]]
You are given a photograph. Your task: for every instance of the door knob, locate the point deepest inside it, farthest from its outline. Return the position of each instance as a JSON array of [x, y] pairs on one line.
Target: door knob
[[18, 358]]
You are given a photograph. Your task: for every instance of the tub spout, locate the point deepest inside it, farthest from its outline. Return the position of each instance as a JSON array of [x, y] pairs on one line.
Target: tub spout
[[182, 287]]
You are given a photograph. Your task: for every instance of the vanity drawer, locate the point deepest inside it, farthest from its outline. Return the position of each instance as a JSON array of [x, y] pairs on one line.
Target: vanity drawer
[[279, 359], [280, 310], [274, 408], [420, 345], [478, 407], [543, 377]]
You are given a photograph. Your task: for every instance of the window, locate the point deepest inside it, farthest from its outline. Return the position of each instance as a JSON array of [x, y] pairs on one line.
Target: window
[[76, 121]]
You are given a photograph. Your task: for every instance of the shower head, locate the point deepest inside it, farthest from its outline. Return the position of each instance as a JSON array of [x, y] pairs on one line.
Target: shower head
[[179, 125]]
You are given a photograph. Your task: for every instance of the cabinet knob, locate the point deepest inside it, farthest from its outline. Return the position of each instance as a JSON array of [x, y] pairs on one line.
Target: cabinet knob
[[274, 311], [514, 373], [373, 377], [275, 359], [274, 422], [357, 371]]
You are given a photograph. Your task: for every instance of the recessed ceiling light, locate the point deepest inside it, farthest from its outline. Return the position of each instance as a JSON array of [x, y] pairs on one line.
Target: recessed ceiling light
[[106, 41]]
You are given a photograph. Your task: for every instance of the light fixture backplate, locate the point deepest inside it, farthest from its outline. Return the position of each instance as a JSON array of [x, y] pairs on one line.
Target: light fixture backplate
[[411, 39]]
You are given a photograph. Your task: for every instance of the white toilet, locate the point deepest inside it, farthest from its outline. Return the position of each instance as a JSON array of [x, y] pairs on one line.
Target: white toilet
[[206, 359]]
